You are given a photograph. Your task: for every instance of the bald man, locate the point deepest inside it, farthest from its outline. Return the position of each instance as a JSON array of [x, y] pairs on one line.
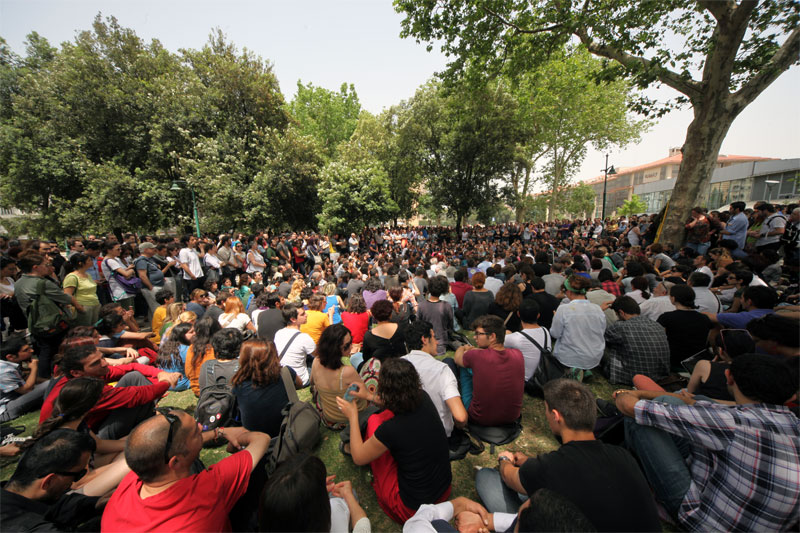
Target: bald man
[[162, 493]]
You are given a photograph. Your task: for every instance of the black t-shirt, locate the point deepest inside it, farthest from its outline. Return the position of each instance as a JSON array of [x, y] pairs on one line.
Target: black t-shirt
[[687, 332], [418, 443], [269, 322], [547, 307], [513, 323], [261, 407], [602, 480]]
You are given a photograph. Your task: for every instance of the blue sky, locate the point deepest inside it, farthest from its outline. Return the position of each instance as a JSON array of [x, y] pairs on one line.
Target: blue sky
[[357, 41]]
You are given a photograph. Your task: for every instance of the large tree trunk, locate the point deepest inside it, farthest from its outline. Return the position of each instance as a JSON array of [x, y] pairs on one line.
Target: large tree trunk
[[700, 152]]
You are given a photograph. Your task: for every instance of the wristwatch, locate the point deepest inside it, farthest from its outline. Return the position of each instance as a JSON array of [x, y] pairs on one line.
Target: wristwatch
[[504, 458]]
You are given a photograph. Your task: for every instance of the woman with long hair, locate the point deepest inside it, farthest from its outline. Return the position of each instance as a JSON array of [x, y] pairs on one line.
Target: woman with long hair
[[506, 304], [74, 401], [416, 470], [258, 387], [172, 353], [330, 377], [80, 285], [200, 351], [297, 289], [235, 317]]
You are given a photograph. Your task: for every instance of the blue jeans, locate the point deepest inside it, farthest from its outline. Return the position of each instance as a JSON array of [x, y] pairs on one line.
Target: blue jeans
[[496, 496], [464, 377], [700, 248], [663, 458]]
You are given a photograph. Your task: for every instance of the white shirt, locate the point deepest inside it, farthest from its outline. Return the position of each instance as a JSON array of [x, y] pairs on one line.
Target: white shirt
[[438, 381], [189, 257], [295, 356], [657, 306], [705, 270], [580, 329], [530, 352], [109, 266], [254, 255], [427, 513], [239, 321], [706, 301], [492, 284], [772, 222]]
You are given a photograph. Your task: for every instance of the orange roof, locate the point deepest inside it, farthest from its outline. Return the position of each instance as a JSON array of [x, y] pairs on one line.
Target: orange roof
[[675, 160]]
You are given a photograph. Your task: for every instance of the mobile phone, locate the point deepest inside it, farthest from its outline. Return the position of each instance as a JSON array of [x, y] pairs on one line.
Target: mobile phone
[[348, 396]]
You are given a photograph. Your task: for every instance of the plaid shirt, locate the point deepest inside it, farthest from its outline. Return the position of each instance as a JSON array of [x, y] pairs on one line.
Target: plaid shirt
[[611, 287], [636, 346], [745, 463]]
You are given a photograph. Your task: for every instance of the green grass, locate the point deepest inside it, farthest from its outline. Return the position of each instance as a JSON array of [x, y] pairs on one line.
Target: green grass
[[535, 438]]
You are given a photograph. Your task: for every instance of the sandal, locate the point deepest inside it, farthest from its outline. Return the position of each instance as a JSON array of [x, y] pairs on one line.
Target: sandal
[[344, 452]]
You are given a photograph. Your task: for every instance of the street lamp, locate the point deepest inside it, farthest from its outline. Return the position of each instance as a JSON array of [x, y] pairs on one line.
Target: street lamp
[[770, 184], [176, 186], [606, 171]]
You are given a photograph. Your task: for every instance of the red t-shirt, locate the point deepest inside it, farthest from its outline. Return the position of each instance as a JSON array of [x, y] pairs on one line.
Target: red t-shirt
[[357, 323], [197, 503], [498, 379], [459, 289]]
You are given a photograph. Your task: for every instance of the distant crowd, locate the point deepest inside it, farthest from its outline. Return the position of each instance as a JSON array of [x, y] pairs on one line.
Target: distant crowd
[[418, 345]]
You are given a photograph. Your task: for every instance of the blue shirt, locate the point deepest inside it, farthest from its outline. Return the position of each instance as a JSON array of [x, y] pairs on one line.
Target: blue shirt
[[737, 226], [740, 320]]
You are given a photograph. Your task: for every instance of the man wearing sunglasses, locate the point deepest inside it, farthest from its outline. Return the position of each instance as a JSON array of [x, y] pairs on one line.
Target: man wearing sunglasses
[[35, 497], [163, 494]]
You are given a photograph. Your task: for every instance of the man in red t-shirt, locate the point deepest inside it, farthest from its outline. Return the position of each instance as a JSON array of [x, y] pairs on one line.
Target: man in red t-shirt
[[120, 408], [162, 494], [497, 375]]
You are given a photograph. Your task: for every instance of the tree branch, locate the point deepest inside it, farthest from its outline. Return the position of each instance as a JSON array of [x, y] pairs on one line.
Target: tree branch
[[782, 60], [719, 9], [517, 28], [688, 87]]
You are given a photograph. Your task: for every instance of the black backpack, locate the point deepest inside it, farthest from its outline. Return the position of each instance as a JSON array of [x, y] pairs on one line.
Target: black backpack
[[548, 368], [216, 406]]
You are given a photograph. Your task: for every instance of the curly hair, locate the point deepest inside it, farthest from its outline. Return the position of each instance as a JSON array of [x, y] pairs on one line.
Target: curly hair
[[382, 310], [258, 362], [330, 346], [509, 296], [399, 386], [356, 304]]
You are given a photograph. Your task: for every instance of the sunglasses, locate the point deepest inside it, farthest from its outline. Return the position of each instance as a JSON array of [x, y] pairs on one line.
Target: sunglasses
[[74, 475], [174, 422]]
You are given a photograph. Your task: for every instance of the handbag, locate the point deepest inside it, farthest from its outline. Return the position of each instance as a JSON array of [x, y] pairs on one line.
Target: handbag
[[130, 285]]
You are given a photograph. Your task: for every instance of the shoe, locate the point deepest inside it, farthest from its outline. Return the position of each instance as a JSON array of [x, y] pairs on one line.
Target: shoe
[[341, 449], [606, 408], [574, 373]]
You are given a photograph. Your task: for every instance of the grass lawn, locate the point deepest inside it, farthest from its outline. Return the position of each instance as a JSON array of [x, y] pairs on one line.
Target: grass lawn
[[535, 438]]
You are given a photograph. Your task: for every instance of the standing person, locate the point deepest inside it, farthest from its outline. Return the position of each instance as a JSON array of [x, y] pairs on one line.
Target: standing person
[[35, 270], [295, 347], [190, 264], [736, 230], [769, 236], [492, 392], [225, 256], [255, 261], [112, 265], [698, 232], [80, 285], [416, 470], [580, 328], [151, 275], [602, 480]]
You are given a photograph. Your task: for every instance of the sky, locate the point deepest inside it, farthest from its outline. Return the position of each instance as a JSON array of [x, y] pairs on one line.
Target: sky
[[331, 42]]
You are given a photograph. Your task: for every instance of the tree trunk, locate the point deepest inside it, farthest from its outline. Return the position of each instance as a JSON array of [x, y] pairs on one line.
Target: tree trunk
[[700, 152], [458, 224]]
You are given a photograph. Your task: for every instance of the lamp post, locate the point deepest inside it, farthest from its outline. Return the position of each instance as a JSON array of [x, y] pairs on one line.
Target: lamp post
[[770, 184], [176, 186], [606, 171]]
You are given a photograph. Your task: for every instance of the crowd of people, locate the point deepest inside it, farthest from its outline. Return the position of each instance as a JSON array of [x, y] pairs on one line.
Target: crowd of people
[[701, 339]]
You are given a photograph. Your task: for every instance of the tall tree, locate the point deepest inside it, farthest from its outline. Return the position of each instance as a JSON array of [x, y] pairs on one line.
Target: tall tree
[[580, 201], [328, 116], [718, 54]]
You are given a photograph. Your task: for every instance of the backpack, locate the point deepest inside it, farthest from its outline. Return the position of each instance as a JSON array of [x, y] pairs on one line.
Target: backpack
[[45, 317], [299, 429], [548, 368], [216, 406]]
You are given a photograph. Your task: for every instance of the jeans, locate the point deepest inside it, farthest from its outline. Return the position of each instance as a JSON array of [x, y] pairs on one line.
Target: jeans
[[700, 248], [122, 420], [464, 378], [25, 403], [496, 496], [150, 298], [663, 458]]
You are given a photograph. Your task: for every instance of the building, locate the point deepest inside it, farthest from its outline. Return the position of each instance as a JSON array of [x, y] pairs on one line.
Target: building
[[653, 182]]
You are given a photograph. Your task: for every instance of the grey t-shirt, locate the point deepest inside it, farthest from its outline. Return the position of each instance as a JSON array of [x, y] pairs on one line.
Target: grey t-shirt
[[154, 273]]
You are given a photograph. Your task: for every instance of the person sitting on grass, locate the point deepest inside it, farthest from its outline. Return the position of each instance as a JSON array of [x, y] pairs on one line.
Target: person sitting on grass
[[200, 351], [302, 484], [602, 480], [227, 344], [111, 327], [162, 452], [164, 297], [417, 468], [120, 407], [718, 467], [19, 393], [36, 499], [172, 353]]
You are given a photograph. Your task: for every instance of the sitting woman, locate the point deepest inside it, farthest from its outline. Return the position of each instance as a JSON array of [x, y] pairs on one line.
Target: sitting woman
[[302, 483], [402, 310], [333, 301], [201, 350], [174, 311], [330, 377], [476, 301], [373, 292], [172, 353], [111, 327], [356, 320], [235, 317], [316, 319], [107, 466], [243, 292], [258, 387], [416, 470], [506, 304], [386, 339]]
